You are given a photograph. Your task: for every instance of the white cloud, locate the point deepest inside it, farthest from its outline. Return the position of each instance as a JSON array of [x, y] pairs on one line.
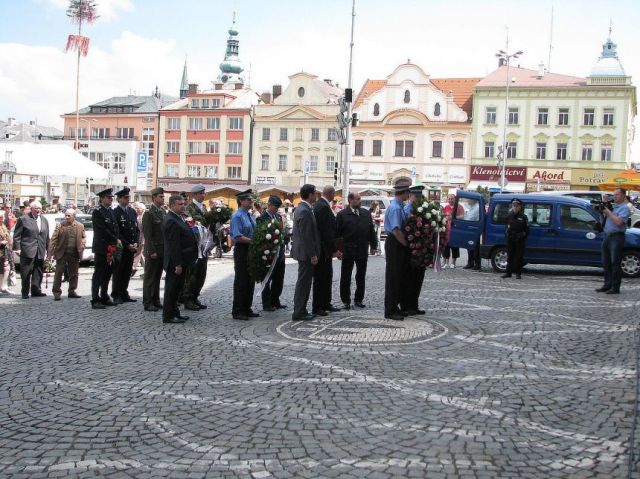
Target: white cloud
[[107, 9]]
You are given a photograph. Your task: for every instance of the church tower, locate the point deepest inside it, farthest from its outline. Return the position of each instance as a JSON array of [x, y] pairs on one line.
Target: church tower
[[184, 83], [608, 69], [231, 76]]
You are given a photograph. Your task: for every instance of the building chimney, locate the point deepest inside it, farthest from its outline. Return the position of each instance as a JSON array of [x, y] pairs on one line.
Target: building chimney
[[277, 91], [238, 86], [32, 123], [328, 81], [266, 97], [501, 62], [540, 71], [193, 89], [217, 86]]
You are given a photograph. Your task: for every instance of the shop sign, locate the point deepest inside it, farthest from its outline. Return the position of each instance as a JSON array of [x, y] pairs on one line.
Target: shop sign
[[492, 173], [549, 175], [588, 177]]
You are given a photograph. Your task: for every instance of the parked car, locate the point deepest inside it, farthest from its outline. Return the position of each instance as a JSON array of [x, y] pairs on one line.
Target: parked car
[[383, 201], [563, 230]]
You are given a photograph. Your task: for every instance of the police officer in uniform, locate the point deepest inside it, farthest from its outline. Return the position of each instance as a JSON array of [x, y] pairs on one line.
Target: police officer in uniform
[[153, 251], [105, 234], [242, 226], [415, 274], [273, 288], [396, 250], [516, 236], [128, 234], [196, 277]]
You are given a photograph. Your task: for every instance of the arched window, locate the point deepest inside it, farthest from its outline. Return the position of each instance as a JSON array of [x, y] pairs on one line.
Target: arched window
[[407, 96], [301, 92], [376, 109], [436, 109]]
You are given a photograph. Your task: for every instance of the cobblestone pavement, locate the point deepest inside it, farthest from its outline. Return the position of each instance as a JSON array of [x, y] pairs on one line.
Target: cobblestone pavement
[[502, 378]]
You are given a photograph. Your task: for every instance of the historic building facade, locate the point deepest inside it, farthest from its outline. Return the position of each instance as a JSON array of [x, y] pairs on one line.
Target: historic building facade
[[294, 134], [568, 132]]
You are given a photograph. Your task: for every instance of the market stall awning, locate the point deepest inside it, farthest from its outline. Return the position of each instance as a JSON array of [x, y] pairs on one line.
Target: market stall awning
[[628, 179], [50, 159]]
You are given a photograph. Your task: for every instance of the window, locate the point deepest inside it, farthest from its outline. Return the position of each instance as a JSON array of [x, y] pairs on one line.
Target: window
[[234, 172], [101, 159], [173, 123], [513, 115], [377, 148], [436, 150], [587, 152], [210, 171], [313, 164], [193, 171], [205, 103], [607, 117], [124, 133], [283, 134], [172, 170], [213, 123], [315, 134], [458, 149], [148, 142], [359, 148], [298, 134], [118, 161], [471, 209], [211, 147], [490, 118], [331, 134], [300, 92], [436, 109], [215, 103], [376, 109], [173, 147], [561, 151], [489, 149], [282, 162], [195, 123], [236, 123], [329, 163], [264, 163], [99, 133], [297, 163], [589, 115], [563, 116], [539, 214], [404, 148], [82, 132], [266, 134], [512, 149], [543, 116], [195, 103], [541, 151], [235, 148], [605, 153], [407, 96], [195, 147], [576, 218]]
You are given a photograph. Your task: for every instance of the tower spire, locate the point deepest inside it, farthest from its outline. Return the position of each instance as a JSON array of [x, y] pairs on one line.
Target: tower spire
[[184, 83], [231, 68]]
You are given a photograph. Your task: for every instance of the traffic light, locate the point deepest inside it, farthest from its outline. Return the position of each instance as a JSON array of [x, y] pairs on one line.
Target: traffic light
[[335, 173], [355, 121]]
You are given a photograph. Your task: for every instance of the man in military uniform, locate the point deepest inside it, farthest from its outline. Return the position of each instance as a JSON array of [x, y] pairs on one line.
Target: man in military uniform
[[105, 235], [273, 288], [415, 274], [128, 234], [242, 227], [153, 251], [195, 278], [516, 236], [396, 250]]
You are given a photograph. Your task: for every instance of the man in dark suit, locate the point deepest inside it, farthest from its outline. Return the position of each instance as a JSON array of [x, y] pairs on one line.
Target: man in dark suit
[[323, 274], [128, 234], [305, 249], [273, 288], [153, 251], [196, 277], [180, 252], [356, 229], [31, 241], [105, 237]]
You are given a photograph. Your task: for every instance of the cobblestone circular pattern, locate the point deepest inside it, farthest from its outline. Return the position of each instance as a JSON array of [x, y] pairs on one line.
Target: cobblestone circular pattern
[[362, 330]]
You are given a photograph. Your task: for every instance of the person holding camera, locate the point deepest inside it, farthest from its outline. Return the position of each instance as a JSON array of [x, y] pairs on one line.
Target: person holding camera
[[614, 223], [516, 235]]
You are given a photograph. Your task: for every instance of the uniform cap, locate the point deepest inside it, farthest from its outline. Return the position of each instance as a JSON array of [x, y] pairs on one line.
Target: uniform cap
[[157, 191], [246, 194], [107, 192], [402, 185], [197, 189], [123, 192], [275, 201]]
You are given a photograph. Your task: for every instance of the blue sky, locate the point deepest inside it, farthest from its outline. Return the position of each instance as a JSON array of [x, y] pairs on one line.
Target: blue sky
[[138, 44]]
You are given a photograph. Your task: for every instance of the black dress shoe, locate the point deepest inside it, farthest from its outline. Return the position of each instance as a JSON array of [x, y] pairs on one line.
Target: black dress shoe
[[320, 312], [604, 289], [268, 309], [613, 291], [173, 320], [359, 304], [346, 306], [39, 294], [331, 309], [74, 296], [241, 317], [518, 276], [477, 268], [181, 317], [57, 298], [108, 302], [152, 308], [129, 300], [191, 306], [117, 301], [281, 306], [304, 317], [395, 316], [158, 305], [97, 305], [469, 266], [506, 275], [251, 314], [25, 296], [199, 304]]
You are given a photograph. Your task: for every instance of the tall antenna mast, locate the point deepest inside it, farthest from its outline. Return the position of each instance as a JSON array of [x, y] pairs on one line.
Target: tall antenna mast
[[550, 41]]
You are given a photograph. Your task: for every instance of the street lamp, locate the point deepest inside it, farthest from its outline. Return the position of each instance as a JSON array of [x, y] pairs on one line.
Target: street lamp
[[506, 57]]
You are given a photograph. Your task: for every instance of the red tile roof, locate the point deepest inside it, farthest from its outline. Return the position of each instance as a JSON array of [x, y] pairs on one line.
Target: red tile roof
[[370, 87], [528, 78]]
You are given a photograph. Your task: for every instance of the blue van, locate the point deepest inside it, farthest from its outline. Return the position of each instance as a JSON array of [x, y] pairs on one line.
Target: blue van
[[562, 230]]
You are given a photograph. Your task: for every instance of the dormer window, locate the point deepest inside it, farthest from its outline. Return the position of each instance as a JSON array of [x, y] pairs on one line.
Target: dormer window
[[407, 96], [376, 109], [300, 92], [436, 109]]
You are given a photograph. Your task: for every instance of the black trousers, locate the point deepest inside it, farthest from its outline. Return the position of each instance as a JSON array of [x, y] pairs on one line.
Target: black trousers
[[151, 281], [515, 255], [345, 278], [322, 282], [395, 274], [31, 274], [195, 280], [172, 286], [473, 256], [243, 285], [411, 294], [100, 279], [122, 275], [273, 289]]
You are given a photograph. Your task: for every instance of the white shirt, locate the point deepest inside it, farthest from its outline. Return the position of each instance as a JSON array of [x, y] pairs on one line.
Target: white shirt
[[199, 205], [39, 222]]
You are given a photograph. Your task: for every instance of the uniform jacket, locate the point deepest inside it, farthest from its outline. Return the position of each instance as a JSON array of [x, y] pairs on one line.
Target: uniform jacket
[[306, 239], [152, 231], [357, 232], [326, 221], [58, 246], [28, 239], [180, 247], [196, 213], [266, 217], [517, 226], [105, 229], [127, 219]]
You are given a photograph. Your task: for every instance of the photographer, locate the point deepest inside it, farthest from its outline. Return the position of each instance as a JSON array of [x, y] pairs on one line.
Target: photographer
[[614, 223]]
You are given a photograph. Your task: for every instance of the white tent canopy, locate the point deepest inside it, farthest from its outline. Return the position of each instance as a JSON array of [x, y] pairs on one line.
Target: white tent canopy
[[50, 159]]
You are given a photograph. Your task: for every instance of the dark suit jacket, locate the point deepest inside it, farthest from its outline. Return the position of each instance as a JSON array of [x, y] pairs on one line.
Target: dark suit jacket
[[356, 231], [128, 231], [105, 229], [180, 247], [266, 217], [306, 239], [28, 239], [326, 221]]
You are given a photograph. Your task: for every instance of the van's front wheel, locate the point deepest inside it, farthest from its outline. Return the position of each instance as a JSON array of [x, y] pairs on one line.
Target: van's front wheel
[[499, 259], [630, 264]]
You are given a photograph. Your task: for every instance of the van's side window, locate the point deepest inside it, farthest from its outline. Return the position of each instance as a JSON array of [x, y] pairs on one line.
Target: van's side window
[[576, 218], [500, 213], [538, 214], [471, 209]]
